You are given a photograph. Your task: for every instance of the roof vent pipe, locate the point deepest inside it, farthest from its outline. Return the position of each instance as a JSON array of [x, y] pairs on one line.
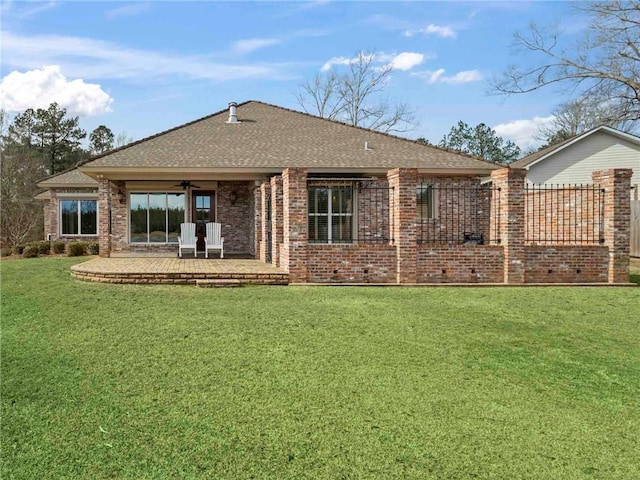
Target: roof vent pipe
[[233, 117]]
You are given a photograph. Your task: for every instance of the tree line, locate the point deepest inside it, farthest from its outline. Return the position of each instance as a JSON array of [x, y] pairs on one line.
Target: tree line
[[35, 144]]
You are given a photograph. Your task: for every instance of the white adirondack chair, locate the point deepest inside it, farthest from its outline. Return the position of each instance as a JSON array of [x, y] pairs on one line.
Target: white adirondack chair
[[213, 240], [187, 238]]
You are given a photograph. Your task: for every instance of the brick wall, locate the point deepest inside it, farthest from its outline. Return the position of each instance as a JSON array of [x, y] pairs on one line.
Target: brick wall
[[617, 219], [460, 264], [404, 181], [293, 254], [566, 264], [235, 213], [356, 263], [277, 226]]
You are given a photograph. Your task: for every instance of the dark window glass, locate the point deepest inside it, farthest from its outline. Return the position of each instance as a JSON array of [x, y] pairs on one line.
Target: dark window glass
[[138, 216], [88, 217], [425, 202], [156, 217], [69, 217]]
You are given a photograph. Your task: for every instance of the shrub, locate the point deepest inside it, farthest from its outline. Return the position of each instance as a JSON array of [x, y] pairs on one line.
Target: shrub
[[93, 248], [30, 251], [5, 252], [18, 249], [58, 246], [44, 247], [76, 249]]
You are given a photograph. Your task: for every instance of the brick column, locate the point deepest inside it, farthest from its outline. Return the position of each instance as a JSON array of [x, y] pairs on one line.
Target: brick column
[[403, 219], [295, 223], [257, 221], [264, 199], [104, 209], [276, 219], [512, 220], [616, 183], [52, 210]]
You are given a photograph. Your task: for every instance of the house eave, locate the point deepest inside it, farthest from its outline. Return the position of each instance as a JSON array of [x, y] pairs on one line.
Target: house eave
[[230, 174]]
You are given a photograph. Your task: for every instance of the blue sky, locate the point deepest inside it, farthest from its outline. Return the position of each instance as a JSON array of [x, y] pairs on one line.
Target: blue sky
[[143, 67]]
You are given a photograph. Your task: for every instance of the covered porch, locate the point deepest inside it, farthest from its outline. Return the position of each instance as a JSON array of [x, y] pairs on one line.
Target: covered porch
[[157, 269]]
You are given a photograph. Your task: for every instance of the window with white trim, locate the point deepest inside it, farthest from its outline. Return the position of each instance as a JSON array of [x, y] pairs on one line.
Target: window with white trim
[[155, 217], [78, 217], [331, 214]]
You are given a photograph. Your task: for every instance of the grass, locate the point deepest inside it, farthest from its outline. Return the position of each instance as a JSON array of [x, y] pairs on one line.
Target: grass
[[155, 382]]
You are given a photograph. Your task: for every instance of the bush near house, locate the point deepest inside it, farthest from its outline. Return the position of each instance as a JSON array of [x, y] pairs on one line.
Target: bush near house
[[43, 246], [30, 251], [93, 248], [76, 249], [58, 247]]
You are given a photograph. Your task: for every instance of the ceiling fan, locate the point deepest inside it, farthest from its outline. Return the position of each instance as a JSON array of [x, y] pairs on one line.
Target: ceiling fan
[[186, 184]]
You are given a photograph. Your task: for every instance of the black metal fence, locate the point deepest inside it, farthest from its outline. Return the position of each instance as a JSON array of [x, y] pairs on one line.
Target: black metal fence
[[458, 214], [375, 212], [564, 214]]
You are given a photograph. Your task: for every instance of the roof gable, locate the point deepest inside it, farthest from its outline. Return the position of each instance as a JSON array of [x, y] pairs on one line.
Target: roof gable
[[545, 153], [69, 178], [272, 137]]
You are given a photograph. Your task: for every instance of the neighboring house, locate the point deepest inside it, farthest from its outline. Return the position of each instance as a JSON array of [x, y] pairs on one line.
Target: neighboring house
[[573, 160], [325, 201]]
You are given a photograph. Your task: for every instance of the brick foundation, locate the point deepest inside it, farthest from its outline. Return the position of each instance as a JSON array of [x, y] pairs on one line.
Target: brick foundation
[[351, 263], [460, 264], [566, 264]]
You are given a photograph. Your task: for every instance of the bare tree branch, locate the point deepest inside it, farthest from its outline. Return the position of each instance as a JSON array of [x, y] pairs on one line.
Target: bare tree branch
[[355, 96], [605, 62]]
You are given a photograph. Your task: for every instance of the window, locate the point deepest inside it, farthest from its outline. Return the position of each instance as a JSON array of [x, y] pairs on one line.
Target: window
[[425, 202], [78, 217], [331, 214], [155, 217]]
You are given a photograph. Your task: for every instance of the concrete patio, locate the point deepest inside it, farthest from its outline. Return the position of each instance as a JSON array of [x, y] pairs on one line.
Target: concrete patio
[[173, 270]]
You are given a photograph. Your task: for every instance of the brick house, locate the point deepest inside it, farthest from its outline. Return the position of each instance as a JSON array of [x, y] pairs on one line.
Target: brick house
[[325, 202]]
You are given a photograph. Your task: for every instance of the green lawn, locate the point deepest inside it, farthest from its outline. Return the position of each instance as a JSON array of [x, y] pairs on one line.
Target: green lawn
[[139, 382]]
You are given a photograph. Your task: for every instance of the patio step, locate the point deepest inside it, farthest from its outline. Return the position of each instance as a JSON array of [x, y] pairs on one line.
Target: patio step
[[219, 282]]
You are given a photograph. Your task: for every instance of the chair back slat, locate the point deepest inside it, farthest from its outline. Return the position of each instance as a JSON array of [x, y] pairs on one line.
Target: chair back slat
[[213, 233], [188, 233]]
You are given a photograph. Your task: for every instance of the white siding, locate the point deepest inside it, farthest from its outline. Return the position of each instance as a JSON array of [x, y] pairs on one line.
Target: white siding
[[574, 164]]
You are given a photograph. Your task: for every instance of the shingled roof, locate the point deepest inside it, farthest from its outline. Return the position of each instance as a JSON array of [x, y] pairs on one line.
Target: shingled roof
[[272, 137], [70, 178]]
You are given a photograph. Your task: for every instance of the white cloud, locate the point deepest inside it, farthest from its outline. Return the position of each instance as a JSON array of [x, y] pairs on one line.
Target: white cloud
[[431, 29], [438, 76], [406, 60], [128, 10], [39, 88], [89, 58], [336, 61], [243, 47], [403, 61], [523, 132]]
